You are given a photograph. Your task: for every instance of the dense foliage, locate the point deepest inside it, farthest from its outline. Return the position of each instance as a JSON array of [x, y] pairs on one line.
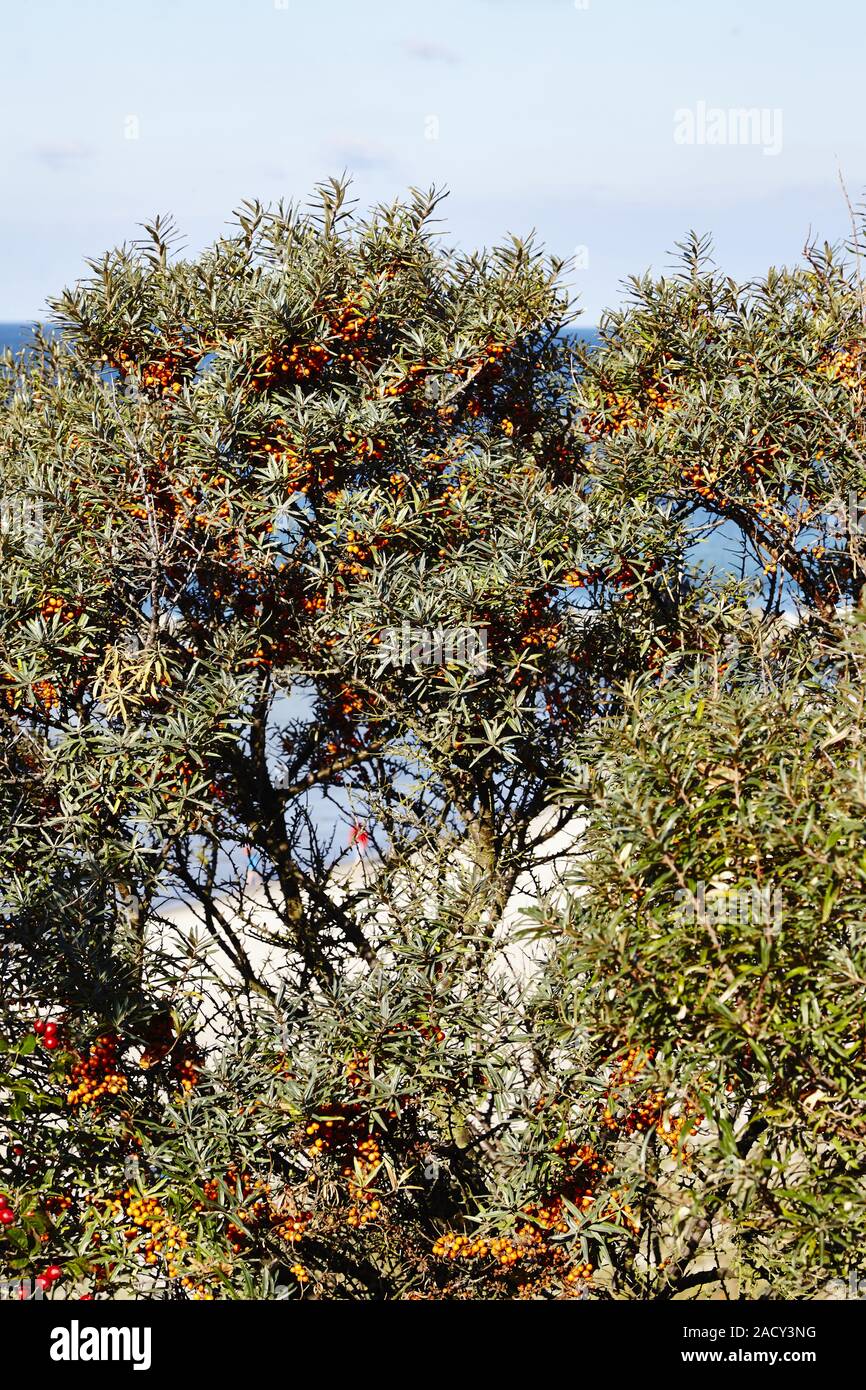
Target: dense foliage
[[349, 604]]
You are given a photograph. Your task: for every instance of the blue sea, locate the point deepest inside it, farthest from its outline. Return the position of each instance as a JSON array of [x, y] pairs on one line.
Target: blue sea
[[16, 335]]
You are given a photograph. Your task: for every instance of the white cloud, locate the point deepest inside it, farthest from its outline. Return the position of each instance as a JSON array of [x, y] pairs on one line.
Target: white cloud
[[427, 51], [357, 154], [60, 155]]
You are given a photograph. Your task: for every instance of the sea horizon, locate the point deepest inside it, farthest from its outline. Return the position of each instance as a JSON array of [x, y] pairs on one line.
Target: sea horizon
[[15, 335]]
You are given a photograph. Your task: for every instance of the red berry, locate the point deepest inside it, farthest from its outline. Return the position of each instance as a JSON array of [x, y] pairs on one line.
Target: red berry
[[50, 1029], [54, 1272], [4, 1200], [51, 1043], [39, 1025], [43, 1282], [7, 1216]]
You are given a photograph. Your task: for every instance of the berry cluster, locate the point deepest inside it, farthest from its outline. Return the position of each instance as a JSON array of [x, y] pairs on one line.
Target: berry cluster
[[578, 1186], [162, 375], [55, 606], [630, 410], [843, 366], [48, 1031], [534, 1249], [186, 1066], [258, 1210], [501, 1249], [333, 1130], [367, 1161], [58, 1203], [342, 1134], [46, 694], [355, 327], [290, 1228], [534, 630], [650, 1111], [298, 363], [165, 1240], [528, 1253], [98, 1074], [7, 1215], [198, 1290], [49, 1278]]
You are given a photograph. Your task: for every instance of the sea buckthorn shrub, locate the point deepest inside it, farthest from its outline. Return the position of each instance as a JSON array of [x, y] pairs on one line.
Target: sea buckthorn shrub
[[251, 469], [268, 492], [738, 410], [720, 929], [669, 1103], [421, 1134]]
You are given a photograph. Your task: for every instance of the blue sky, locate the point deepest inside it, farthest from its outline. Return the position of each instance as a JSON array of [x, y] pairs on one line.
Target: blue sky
[[545, 113]]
